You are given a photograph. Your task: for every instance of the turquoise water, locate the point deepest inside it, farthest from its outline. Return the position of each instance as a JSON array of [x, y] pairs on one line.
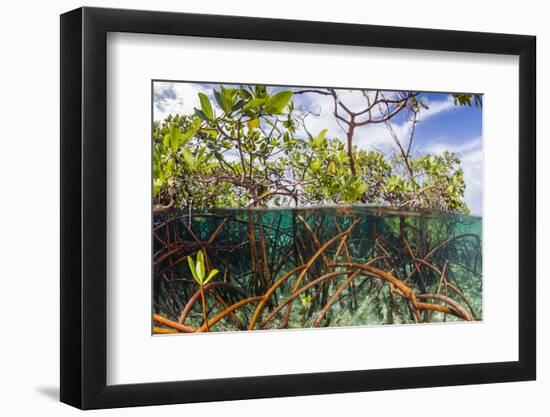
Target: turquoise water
[[435, 254]]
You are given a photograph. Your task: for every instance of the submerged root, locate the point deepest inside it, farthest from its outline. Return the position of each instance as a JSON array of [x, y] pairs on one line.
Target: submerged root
[[326, 275]]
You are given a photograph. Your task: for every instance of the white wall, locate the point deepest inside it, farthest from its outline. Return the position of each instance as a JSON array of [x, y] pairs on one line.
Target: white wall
[[29, 265]]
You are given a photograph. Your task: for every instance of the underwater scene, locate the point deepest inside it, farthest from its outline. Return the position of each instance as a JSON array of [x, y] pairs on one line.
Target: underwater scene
[[315, 267], [286, 207]]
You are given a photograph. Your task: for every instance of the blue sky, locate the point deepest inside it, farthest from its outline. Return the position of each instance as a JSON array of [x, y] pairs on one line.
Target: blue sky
[[443, 126]]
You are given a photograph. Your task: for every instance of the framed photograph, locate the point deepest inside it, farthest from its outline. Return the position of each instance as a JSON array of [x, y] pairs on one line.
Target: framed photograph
[[255, 208]]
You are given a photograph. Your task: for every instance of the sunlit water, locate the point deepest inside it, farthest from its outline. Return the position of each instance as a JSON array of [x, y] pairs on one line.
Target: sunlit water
[[432, 252]]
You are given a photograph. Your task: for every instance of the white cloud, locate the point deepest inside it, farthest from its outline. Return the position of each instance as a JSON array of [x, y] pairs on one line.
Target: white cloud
[[458, 148], [321, 116], [176, 98], [436, 107]]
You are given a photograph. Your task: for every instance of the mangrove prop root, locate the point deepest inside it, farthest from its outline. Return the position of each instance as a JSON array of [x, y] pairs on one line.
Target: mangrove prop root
[[442, 280], [295, 294], [173, 324], [436, 307], [162, 330], [408, 292], [196, 296], [445, 281], [463, 297], [225, 306], [284, 322], [459, 310], [333, 299], [404, 288], [314, 237], [227, 311], [269, 293], [340, 289], [271, 252]]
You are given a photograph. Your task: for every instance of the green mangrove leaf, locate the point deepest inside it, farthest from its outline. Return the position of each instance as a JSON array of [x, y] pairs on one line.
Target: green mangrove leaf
[[188, 135], [225, 99], [193, 269], [206, 106], [202, 157], [260, 91], [200, 114], [319, 141], [212, 132], [200, 271], [175, 137], [361, 188], [211, 275], [219, 100], [253, 124], [277, 102], [157, 185], [253, 104], [188, 157], [200, 265], [305, 299]]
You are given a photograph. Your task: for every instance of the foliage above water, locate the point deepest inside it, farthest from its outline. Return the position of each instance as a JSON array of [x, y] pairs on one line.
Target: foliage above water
[[251, 149]]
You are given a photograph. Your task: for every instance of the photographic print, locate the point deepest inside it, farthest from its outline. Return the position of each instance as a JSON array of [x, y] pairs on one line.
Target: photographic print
[[292, 207]]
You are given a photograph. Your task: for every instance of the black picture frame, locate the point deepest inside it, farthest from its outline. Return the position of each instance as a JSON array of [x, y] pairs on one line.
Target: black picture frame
[[84, 207]]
